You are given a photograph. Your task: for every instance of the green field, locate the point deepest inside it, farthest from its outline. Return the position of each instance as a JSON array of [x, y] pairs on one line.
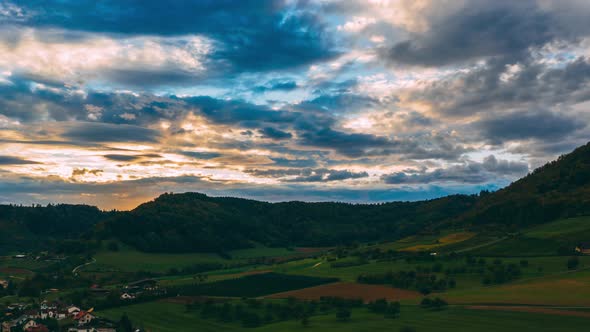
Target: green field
[[168, 317], [574, 229], [128, 260], [564, 289], [260, 252], [537, 266], [546, 239]]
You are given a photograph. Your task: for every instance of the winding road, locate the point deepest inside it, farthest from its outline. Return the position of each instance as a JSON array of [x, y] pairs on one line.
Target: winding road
[[81, 266]]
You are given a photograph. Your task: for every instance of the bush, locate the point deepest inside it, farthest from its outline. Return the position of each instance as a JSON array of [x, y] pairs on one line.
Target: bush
[[407, 329], [435, 304], [113, 246], [573, 263], [343, 314]]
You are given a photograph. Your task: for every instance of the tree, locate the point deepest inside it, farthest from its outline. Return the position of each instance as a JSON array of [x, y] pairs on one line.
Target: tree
[[343, 314], [407, 329], [125, 324], [573, 263], [393, 310], [250, 319], [305, 320], [113, 246]]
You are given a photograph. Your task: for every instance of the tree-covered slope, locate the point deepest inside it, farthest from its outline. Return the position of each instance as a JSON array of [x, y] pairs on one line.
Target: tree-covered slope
[[558, 189], [196, 222], [193, 222], [31, 227]]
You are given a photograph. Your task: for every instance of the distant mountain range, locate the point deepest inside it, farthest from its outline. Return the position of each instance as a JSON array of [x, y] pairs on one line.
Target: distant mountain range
[[193, 222]]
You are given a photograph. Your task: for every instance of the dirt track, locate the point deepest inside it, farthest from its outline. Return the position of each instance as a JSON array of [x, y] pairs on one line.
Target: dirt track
[[549, 311]]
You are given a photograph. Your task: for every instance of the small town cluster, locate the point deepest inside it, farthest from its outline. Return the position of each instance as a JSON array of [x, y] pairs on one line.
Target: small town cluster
[[28, 318], [47, 316]]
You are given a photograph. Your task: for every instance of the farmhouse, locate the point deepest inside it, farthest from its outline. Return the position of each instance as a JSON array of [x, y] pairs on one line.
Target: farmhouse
[[37, 328], [23, 323], [127, 296], [72, 310], [583, 248], [3, 283], [83, 317]]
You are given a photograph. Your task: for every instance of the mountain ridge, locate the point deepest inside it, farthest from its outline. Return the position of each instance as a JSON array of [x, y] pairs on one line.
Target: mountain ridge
[[195, 222]]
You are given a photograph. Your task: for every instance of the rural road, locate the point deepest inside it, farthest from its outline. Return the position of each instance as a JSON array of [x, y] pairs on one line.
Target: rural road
[[482, 245], [81, 266]]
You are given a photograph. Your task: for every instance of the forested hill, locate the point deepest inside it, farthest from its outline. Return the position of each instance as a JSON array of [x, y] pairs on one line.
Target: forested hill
[[31, 227], [558, 189], [196, 222]]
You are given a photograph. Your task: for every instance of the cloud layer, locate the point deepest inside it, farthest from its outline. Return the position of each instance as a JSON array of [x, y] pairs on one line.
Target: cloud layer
[[117, 101]]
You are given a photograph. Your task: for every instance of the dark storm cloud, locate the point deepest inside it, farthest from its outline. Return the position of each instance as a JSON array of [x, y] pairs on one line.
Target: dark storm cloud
[[104, 133], [482, 29], [252, 34], [9, 160], [542, 125], [471, 172], [273, 133]]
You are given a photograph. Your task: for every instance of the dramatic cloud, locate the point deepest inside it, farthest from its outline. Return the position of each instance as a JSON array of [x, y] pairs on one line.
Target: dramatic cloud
[[527, 125], [114, 102], [251, 34], [470, 172]]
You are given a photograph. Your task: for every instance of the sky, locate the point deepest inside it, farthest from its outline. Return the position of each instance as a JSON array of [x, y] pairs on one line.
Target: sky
[[114, 102]]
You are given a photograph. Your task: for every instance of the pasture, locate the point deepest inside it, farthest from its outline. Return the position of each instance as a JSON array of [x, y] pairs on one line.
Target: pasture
[[565, 289], [168, 317], [129, 260]]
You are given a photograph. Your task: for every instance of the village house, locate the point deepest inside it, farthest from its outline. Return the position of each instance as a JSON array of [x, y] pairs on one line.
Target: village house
[[3, 283], [127, 296], [53, 314], [16, 324], [583, 248], [38, 328], [30, 323], [72, 310], [83, 317]]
